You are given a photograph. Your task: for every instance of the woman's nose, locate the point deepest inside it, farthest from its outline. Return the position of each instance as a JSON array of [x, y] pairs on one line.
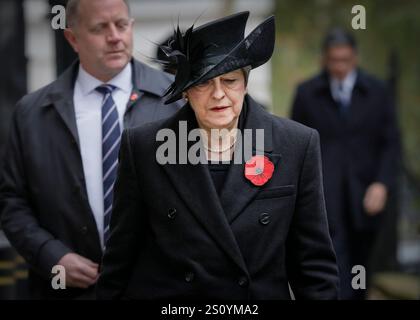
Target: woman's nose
[[218, 90]]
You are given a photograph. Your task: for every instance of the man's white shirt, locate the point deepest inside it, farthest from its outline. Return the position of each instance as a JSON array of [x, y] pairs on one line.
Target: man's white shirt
[[347, 87], [87, 106]]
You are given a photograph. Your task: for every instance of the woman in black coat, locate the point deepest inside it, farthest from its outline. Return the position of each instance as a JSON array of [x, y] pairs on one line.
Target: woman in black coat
[[223, 200]]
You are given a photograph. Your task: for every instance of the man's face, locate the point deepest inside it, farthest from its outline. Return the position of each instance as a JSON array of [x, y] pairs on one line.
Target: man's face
[[340, 61], [102, 37]]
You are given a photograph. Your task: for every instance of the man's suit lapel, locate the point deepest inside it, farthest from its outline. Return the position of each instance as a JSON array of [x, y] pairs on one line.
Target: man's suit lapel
[[237, 191], [195, 186], [355, 110], [135, 97], [357, 107], [329, 107], [142, 82], [61, 97], [145, 80]]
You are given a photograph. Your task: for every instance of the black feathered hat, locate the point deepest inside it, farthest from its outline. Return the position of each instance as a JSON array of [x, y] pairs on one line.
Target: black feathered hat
[[216, 48]]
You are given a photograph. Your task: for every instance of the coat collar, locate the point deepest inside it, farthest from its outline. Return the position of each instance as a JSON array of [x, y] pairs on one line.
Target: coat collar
[[321, 85], [60, 93], [215, 214], [142, 75], [144, 79], [322, 82]]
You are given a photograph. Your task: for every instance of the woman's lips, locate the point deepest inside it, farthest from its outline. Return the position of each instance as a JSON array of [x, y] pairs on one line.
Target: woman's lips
[[219, 109]]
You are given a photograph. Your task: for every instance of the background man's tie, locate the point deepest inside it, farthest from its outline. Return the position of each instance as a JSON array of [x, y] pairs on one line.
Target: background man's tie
[[111, 138], [342, 100]]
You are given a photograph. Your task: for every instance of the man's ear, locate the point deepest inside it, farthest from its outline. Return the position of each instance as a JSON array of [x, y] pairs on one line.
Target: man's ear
[[71, 38]]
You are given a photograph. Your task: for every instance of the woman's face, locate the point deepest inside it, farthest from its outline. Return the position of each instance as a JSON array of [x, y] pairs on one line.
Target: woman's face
[[217, 102]]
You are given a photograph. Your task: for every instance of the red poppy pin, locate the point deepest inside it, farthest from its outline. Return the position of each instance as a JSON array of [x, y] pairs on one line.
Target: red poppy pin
[[134, 97], [259, 169]]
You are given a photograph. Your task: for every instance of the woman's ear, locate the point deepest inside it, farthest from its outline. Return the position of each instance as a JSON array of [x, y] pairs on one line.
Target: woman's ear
[[185, 96]]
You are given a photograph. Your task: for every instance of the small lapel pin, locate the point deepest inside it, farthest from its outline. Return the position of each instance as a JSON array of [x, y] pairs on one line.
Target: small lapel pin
[[134, 97]]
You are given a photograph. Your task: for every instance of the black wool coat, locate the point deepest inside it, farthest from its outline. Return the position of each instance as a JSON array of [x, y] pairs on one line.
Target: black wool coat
[[173, 237]]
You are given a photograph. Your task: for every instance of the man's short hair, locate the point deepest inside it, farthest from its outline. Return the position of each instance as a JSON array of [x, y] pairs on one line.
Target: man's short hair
[[72, 11], [338, 37]]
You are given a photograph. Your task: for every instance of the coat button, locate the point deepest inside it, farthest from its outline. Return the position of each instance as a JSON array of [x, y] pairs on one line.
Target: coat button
[[189, 276], [171, 213], [243, 282], [264, 218], [84, 230]]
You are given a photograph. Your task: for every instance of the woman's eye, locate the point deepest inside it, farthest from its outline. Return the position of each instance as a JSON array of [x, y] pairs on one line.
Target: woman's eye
[[229, 81], [204, 84]]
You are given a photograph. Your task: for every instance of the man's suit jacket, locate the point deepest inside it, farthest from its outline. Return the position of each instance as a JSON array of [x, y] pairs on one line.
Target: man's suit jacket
[[357, 149], [173, 237], [43, 199]]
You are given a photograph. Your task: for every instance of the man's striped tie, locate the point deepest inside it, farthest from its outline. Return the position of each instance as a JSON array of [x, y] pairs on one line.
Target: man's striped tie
[[111, 138]]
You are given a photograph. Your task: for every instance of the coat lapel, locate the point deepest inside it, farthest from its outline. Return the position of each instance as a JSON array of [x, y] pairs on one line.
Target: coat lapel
[[355, 112], [237, 191], [65, 109], [135, 96], [61, 97], [199, 194], [356, 108], [145, 80]]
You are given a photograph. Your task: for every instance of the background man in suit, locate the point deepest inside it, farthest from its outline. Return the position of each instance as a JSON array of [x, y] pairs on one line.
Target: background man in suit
[[360, 143], [57, 182]]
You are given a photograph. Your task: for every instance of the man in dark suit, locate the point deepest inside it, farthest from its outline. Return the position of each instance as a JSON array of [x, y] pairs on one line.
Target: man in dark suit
[[356, 120], [57, 183]]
